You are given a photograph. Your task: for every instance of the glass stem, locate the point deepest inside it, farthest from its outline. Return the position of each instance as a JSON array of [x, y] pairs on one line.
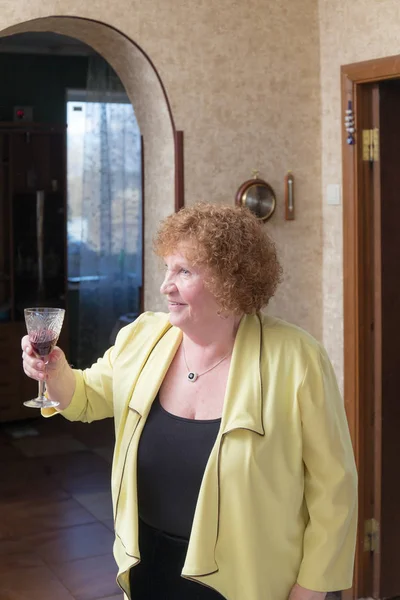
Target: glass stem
[[42, 383], [42, 388]]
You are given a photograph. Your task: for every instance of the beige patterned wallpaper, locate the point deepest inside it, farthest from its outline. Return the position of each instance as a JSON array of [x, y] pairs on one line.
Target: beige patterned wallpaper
[[253, 84], [349, 32], [243, 82]]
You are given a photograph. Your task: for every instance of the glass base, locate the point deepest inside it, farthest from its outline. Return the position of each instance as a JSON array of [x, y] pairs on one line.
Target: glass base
[[41, 402]]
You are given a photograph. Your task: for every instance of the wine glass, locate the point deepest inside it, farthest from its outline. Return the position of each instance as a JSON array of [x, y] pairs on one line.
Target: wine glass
[[43, 326]]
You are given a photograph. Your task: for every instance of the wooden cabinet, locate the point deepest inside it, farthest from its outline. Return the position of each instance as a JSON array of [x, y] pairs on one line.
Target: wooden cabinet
[[32, 245], [15, 387]]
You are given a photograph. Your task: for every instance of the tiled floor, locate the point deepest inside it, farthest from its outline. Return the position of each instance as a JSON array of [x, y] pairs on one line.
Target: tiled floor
[[55, 511], [56, 527]]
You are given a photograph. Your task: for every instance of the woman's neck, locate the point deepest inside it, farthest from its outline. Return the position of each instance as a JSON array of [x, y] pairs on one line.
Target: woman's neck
[[212, 340]]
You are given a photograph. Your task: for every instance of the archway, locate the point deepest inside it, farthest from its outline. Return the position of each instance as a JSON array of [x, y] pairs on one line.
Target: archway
[[163, 178]]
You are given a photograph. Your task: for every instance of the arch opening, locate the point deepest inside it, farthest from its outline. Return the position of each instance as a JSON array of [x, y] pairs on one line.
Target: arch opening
[[148, 96]]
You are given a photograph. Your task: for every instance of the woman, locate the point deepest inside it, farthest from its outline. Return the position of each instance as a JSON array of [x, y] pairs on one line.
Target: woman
[[233, 466]]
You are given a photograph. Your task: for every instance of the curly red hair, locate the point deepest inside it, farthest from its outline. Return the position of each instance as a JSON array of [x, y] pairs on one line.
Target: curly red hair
[[233, 246]]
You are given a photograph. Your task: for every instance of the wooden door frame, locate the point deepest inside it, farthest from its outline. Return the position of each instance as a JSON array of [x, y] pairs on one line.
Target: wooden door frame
[[357, 346]]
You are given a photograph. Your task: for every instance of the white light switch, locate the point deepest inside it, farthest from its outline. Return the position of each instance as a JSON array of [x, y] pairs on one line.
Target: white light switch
[[334, 194]]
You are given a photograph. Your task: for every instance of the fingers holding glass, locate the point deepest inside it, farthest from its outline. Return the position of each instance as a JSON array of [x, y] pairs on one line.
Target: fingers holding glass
[[44, 327], [32, 367]]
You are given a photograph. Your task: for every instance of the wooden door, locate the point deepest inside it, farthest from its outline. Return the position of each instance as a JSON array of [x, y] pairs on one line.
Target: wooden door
[[387, 366], [379, 334], [365, 303], [371, 253]]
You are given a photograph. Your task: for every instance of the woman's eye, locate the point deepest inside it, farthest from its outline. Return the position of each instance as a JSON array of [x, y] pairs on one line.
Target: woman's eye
[[185, 272]]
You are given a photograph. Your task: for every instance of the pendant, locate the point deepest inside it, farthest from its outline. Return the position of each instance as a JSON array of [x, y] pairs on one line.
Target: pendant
[[192, 376]]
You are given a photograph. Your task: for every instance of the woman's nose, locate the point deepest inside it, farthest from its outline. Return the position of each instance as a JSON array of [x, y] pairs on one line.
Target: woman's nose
[[167, 285]]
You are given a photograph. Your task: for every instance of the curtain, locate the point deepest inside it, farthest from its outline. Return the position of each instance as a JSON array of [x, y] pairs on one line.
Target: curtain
[[105, 216]]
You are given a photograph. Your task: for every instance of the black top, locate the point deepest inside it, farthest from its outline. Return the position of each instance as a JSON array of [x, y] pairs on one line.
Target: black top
[[172, 456]]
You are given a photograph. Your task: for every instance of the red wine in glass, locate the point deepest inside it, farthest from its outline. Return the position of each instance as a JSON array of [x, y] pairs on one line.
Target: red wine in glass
[[43, 326], [43, 342]]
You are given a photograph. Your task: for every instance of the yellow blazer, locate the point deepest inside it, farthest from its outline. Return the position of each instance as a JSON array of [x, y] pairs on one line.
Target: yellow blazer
[[278, 499]]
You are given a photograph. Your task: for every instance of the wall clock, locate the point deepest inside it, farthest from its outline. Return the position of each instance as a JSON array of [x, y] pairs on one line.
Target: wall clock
[[258, 196]]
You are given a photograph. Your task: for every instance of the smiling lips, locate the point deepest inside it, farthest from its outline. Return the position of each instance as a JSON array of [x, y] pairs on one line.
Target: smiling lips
[[173, 304]]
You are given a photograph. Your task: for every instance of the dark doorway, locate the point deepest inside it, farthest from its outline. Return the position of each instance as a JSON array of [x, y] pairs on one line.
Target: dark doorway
[[41, 230]]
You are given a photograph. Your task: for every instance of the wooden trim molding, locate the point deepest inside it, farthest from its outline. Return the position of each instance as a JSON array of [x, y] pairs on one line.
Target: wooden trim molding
[[350, 282], [141, 297], [373, 70], [179, 171], [350, 296]]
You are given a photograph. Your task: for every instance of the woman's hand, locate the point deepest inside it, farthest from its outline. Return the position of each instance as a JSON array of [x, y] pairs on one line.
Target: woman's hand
[[300, 593], [35, 368], [58, 375]]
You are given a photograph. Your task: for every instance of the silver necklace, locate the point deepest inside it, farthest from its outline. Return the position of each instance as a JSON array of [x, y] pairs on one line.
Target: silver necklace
[[192, 376]]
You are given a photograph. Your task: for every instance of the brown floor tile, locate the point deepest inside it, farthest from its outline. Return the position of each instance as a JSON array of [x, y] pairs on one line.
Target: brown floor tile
[[93, 435], [26, 518], [99, 504], [20, 469], [105, 452], [75, 464], [32, 490], [90, 578], [21, 560], [4, 438], [45, 446], [109, 523], [72, 543], [38, 583], [86, 483], [9, 453], [53, 426], [18, 429], [16, 546]]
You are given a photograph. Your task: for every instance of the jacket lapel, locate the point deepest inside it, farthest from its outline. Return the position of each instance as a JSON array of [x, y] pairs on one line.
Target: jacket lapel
[[154, 371], [158, 354], [243, 396], [242, 410]]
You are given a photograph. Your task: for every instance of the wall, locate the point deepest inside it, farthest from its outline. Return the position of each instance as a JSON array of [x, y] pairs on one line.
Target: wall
[[243, 82], [349, 32]]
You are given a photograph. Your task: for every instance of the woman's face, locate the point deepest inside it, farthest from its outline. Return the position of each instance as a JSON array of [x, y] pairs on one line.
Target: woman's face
[[190, 303]]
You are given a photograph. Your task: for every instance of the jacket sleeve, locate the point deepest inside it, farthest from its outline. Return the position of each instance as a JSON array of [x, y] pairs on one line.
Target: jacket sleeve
[[330, 481], [93, 396]]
